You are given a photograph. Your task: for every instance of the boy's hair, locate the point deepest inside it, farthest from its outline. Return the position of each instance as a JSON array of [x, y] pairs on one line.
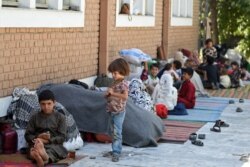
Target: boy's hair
[[156, 65], [46, 95], [208, 40], [120, 65], [188, 70], [168, 66], [235, 63], [177, 64], [210, 60]]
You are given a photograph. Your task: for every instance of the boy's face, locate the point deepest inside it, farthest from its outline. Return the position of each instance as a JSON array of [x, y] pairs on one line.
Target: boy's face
[[186, 76], [234, 67], [117, 76], [210, 44], [154, 71], [47, 106]]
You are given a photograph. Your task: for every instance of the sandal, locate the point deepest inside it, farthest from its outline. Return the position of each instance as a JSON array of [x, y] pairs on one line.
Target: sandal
[[197, 143], [223, 124], [216, 127], [192, 136], [241, 100], [238, 109], [201, 136], [231, 101]]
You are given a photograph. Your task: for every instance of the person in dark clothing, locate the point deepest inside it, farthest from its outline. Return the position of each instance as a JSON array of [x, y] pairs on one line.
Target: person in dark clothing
[[46, 132], [212, 74], [235, 75]]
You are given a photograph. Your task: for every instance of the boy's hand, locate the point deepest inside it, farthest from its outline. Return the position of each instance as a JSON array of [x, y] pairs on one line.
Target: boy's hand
[[45, 136]]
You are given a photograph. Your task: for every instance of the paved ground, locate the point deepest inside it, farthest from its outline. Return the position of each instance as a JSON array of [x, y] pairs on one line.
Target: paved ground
[[223, 149]]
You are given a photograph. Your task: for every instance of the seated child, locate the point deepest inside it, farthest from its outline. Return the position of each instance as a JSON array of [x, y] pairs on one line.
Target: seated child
[[245, 74], [150, 79], [169, 70], [165, 93], [235, 75], [186, 96], [225, 81]]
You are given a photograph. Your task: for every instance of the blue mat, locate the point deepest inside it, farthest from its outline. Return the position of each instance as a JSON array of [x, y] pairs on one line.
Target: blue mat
[[205, 110], [197, 116]]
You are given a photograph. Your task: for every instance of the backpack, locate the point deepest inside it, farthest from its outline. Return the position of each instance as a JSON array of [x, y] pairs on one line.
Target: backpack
[[103, 81]]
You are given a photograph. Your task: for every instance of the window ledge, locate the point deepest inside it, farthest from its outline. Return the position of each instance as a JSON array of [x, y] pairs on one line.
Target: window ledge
[[19, 17], [181, 21], [134, 21]]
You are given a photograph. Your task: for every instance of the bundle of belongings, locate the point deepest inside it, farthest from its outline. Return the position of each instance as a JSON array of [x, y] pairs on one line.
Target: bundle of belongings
[[88, 107], [25, 104], [134, 57]]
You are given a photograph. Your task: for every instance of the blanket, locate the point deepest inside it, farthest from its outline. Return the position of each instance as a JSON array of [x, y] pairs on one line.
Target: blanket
[[140, 128]]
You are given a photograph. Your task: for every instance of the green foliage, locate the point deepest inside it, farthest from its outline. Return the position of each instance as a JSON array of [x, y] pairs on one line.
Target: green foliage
[[234, 24]]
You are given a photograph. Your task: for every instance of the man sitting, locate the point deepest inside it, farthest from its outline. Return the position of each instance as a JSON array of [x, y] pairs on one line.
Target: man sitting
[[46, 132]]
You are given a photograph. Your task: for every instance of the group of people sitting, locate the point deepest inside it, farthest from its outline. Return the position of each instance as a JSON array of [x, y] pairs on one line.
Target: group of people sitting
[[219, 72], [178, 83]]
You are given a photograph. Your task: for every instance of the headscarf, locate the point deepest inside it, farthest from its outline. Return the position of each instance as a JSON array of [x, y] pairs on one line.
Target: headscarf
[[166, 84], [138, 94]]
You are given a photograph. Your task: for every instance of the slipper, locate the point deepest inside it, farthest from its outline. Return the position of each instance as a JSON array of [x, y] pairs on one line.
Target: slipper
[[231, 101], [201, 136], [216, 127], [197, 143], [238, 109], [241, 100], [192, 136], [224, 124]]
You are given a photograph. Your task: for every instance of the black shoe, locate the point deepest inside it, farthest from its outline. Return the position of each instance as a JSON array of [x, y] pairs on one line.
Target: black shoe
[[108, 154]]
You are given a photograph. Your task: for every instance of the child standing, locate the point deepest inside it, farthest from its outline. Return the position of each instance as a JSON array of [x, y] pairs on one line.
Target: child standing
[[117, 96]]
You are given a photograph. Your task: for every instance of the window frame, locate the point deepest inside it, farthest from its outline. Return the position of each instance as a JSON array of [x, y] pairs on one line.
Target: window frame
[[26, 15], [131, 20], [179, 20]]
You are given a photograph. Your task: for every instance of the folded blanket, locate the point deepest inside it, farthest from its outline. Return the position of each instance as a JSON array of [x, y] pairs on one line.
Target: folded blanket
[[140, 128]]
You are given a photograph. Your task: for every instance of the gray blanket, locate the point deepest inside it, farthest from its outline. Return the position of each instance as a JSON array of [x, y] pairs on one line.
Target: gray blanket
[[141, 128]]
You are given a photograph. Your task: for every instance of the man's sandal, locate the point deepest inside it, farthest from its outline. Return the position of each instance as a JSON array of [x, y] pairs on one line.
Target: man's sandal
[[216, 127]]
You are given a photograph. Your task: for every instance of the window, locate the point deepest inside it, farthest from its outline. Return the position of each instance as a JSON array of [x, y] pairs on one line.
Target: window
[[42, 13], [181, 12], [140, 13]]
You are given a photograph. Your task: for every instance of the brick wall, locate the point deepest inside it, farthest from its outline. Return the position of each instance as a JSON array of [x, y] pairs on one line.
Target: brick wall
[[146, 38], [184, 36], [29, 57]]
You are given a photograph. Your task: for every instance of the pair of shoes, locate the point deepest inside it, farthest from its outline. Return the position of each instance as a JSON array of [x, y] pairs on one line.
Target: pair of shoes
[[108, 154], [115, 158], [193, 136], [196, 142]]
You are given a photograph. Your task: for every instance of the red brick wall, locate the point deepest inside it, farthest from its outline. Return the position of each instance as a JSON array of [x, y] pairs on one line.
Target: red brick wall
[[184, 36], [145, 38], [29, 57]]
